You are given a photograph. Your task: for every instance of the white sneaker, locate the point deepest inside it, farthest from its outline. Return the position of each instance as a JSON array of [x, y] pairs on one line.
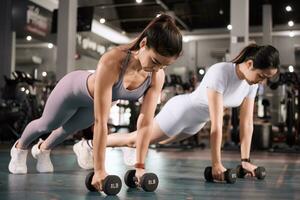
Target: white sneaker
[[84, 154], [129, 155], [44, 163], [17, 164]]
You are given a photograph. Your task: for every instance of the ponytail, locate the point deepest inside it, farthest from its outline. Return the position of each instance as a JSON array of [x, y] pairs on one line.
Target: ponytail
[[263, 57], [162, 35]]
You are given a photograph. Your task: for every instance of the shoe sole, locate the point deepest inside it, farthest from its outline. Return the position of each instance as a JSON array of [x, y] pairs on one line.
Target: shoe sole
[[36, 157], [77, 152], [33, 155], [15, 172], [12, 171], [128, 162]]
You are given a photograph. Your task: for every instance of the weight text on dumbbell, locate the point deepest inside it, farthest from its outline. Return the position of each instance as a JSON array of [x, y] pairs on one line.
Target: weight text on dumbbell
[[114, 186], [151, 182]]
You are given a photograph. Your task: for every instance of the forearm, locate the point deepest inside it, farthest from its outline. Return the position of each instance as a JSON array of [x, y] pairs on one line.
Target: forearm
[[99, 145], [215, 141], [142, 143], [246, 138]]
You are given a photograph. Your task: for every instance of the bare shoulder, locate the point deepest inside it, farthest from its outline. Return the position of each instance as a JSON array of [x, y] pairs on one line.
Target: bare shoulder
[[112, 59], [160, 74], [158, 78]]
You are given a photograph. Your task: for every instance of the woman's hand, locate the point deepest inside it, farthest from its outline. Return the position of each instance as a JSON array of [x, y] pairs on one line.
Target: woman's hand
[[218, 172], [98, 178], [249, 167], [138, 174]]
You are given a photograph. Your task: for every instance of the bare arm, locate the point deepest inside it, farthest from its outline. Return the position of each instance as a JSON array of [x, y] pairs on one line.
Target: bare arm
[[215, 103], [246, 132], [145, 119], [246, 126], [106, 74]]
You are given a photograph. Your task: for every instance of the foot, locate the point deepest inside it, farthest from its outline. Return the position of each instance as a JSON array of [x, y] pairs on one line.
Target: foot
[[129, 155], [84, 154], [44, 163], [17, 164]]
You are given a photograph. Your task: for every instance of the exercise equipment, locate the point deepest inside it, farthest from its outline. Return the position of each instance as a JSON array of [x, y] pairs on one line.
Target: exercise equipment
[[149, 181], [229, 175], [111, 185]]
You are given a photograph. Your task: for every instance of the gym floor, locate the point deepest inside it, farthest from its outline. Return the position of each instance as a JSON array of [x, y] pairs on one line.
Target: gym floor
[[180, 174]]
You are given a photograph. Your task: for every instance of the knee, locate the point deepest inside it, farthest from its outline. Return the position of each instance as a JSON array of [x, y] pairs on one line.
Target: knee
[[132, 140], [43, 127], [131, 144]]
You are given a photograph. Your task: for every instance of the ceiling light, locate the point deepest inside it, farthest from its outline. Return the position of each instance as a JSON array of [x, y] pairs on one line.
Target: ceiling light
[[291, 34], [291, 23], [291, 68], [50, 45], [28, 38], [201, 71], [109, 33], [139, 1], [185, 39], [288, 8], [229, 27], [44, 74], [102, 20]]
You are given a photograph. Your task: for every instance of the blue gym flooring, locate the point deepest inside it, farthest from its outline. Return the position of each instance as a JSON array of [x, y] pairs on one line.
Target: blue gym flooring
[[180, 174]]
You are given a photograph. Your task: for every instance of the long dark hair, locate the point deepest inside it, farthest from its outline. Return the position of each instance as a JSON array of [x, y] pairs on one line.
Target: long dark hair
[[162, 35], [263, 57]]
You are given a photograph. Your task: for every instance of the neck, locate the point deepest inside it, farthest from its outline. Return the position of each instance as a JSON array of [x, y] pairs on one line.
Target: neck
[[134, 63], [239, 71]]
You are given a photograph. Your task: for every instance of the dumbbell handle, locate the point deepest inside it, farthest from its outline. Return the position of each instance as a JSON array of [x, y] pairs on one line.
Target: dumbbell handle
[[102, 182], [135, 179]]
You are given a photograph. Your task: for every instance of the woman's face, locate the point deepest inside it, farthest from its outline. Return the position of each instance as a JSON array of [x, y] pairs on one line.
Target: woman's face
[[150, 60], [254, 76]]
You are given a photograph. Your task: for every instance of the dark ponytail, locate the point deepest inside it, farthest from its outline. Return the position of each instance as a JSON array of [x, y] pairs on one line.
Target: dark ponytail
[[162, 35], [263, 57]]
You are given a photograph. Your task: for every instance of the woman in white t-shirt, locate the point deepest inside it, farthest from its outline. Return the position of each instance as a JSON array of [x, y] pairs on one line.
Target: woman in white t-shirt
[[226, 84]]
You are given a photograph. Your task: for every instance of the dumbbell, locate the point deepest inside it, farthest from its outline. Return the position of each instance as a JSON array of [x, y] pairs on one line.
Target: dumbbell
[[260, 172], [111, 185], [229, 175], [149, 181]]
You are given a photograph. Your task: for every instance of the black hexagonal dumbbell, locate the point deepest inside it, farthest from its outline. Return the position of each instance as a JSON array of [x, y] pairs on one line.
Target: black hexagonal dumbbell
[[260, 172], [111, 185], [229, 175], [149, 181]]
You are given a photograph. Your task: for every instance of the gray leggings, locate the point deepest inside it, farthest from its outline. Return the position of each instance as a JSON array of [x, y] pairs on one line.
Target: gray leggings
[[69, 108]]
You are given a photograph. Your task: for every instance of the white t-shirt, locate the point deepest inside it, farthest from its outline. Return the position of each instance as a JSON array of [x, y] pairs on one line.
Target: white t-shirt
[[222, 78]]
